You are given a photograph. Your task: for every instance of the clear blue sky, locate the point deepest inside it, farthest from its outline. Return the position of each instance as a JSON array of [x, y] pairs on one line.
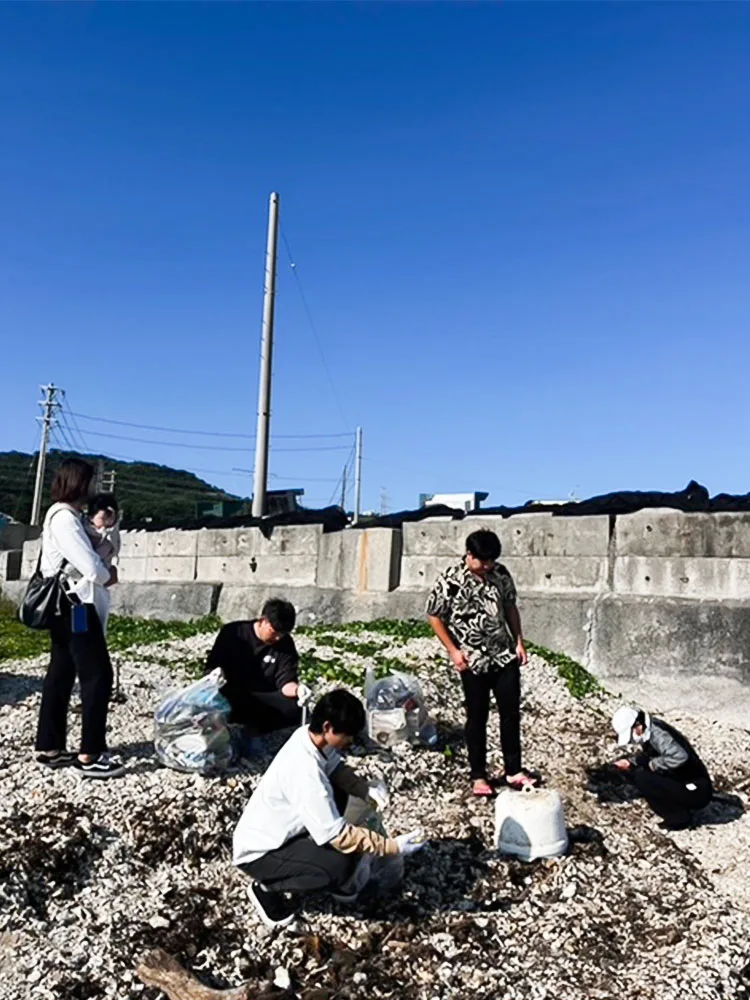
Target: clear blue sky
[[522, 231]]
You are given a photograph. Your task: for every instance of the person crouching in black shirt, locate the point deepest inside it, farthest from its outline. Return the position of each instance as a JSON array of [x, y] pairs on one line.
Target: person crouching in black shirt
[[261, 670]]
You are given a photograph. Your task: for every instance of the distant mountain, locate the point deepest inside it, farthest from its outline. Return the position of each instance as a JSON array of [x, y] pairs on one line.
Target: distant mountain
[[145, 491]]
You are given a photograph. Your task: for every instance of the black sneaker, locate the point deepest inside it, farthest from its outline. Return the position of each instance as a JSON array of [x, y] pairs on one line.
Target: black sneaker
[[273, 908], [62, 759], [103, 766]]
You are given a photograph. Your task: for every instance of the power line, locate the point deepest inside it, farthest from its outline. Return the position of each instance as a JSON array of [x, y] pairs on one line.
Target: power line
[[303, 297], [180, 430], [210, 447], [68, 412]]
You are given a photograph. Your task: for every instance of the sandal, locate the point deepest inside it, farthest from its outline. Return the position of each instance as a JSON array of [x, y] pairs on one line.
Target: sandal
[[527, 779], [484, 789]]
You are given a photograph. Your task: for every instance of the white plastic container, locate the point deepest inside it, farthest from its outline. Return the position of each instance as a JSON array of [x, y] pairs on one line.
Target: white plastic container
[[530, 824]]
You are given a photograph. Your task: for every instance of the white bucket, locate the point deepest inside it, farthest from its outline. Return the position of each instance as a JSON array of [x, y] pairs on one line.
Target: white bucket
[[530, 824]]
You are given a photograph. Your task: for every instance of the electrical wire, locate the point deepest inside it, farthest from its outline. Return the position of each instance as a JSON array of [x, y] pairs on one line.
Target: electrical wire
[[225, 434], [211, 447], [313, 327]]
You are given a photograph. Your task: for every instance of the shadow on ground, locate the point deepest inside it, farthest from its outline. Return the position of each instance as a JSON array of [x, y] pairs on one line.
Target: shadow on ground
[[15, 688]]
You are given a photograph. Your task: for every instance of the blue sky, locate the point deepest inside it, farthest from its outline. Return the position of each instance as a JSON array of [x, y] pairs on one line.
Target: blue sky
[[521, 230]]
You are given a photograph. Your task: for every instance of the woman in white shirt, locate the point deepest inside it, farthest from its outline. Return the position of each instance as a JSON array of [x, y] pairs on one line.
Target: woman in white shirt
[[78, 649]]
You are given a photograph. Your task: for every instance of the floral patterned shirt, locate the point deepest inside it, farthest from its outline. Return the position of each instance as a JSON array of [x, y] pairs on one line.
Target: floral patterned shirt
[[473, 611]]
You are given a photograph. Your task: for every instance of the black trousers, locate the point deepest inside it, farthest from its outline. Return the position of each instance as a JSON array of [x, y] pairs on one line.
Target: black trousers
[[266, 711], [301, 866], [85, 655], [668, 797], [505, 684]]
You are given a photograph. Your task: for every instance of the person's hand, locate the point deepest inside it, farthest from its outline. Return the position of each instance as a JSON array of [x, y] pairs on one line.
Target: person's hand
[[623, 764], [410, 843], [304, 694], [113, 578], [459, 660], [523, 656], [378, 796]]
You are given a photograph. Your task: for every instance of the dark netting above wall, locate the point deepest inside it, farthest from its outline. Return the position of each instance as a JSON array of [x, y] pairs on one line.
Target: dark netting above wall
[[332, 519], [694, 498]]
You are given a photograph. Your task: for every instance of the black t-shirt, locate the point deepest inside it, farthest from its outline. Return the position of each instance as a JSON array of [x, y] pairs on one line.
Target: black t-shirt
[[251, 665]]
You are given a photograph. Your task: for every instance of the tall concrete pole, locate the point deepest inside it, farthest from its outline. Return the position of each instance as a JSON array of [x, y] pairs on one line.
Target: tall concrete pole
[[260, 483], [358, 477], [48, 405], [343, 489]]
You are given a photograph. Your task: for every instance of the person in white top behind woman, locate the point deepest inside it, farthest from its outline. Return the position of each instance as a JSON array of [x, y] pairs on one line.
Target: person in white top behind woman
[[102, 528], [78, 644]]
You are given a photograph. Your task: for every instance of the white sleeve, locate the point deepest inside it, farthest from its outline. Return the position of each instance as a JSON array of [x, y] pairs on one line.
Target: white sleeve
[[70, 538], [312, 796]]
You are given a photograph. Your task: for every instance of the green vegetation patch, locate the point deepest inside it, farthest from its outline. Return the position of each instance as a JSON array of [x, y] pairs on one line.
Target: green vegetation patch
[[580, 682]]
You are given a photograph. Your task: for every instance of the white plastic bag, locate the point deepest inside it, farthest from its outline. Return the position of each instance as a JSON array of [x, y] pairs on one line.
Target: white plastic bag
[[191, 731], [385, 874], [396, 710]]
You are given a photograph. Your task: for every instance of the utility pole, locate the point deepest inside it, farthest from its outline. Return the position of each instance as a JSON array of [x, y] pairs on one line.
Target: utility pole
[[266, 350], [343, 489], [358, 477], [49, 404]]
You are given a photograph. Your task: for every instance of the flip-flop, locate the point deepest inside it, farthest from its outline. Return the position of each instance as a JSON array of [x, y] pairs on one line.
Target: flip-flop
[[484, 793], [527, 780]]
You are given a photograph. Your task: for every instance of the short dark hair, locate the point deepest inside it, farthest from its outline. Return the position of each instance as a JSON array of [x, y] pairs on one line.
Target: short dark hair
[[345, 713], [640, 719], [483, 544], [103, 501], [72, 481], [280, 613]]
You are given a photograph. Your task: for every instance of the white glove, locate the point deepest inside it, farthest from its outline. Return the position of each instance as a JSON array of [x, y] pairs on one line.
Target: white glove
[[304, 694], [410, 843], [378, 796]]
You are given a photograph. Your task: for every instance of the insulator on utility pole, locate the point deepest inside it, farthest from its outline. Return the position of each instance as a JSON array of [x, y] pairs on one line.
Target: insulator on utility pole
[[49, 404]]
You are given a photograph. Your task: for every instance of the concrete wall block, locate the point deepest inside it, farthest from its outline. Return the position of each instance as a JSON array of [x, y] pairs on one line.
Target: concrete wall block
[[171, 543], [338, 555], [558, 574], [13, 535], [642, 637], [30, 557], [672, 533], [279, 572], [379, 559], [134, 544], [167, 601], [521, 535], [547, 535], [132, 569], [170, 568], [695, 578], [420, 572], [287, 540], [10, 564]]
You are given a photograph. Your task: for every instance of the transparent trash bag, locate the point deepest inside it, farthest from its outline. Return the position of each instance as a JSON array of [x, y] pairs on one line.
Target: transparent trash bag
[[191, 731], [384, 875], [396, 710]]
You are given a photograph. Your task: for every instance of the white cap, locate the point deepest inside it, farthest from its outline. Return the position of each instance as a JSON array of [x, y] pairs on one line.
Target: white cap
[[622, 722]]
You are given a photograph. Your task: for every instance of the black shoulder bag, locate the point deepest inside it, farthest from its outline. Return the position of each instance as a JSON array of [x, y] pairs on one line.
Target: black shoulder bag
[[43, 600]]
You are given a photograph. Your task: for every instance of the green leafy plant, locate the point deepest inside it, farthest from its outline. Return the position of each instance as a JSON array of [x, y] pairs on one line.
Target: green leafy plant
[[580, 682]]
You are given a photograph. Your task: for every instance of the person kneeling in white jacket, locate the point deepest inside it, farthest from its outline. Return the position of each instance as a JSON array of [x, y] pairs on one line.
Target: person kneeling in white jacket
[[292, 836]]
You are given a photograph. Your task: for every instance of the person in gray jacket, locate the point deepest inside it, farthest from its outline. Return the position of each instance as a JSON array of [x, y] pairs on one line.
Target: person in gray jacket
[[666, 770]]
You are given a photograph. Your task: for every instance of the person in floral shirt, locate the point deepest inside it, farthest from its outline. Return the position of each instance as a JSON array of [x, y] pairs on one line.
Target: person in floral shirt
[[472, 609]]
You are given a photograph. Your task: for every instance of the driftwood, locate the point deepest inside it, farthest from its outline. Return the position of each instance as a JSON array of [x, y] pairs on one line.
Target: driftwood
[[165, 973]]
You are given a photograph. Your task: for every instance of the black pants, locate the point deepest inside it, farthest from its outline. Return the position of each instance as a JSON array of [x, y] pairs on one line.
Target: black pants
[[505, 684], [669, 798], [301, 866], [266, 711], [85, 655]]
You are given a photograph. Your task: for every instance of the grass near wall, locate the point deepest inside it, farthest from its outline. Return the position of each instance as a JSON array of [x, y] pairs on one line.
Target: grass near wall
[[18, 642]]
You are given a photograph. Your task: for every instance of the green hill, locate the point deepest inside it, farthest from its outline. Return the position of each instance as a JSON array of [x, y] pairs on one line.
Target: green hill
[[144, 490]]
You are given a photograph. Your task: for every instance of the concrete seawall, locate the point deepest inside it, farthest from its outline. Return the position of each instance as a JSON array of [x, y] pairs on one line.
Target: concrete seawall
[[655, 597]]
